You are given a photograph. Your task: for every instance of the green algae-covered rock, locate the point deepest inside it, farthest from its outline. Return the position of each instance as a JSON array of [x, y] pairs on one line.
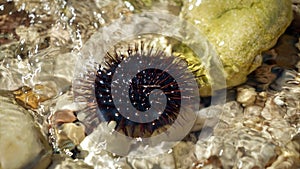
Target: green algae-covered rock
[[239, 30]]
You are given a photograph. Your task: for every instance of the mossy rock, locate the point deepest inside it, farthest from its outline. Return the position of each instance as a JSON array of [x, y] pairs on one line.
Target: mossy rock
[[239, 30]]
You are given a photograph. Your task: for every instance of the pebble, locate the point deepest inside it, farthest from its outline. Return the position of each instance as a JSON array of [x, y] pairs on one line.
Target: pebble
[[71, 131], [246, 95], [32, 97], [278, 100], [62, 116], [251, 111], [271, 110], [261, 99], [232, 113], [184, 154]]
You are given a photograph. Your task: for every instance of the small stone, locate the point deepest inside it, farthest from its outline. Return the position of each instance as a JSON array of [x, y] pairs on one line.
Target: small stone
[[251, 111], [280, 129], [232, 112], [271, 111], [279, 101], [261, 99], [252, 118], [63, 116], [184, 154], [141, 163], [74, 131], [246, 96], [163, 161], [30, 97], [69, 135]]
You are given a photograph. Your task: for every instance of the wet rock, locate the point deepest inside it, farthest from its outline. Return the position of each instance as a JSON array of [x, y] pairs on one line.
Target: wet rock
[[11, 73], [208, 117], [232, 113], [256, 137], [264, 77], [103, 139], [288, 100], [21, 142], [295, 26], [7, 7], [63, 116], [246, 96], [277, 62], [62, 162], [252, 118], [235, 148], [30, 98], [52, 72], [261, 99], [39, 55], [64, 102], [66, 132], [10, 19], [163, 161], [271, 110], [239, 31], [61, 121], [184, 154], [251, 111], [288, 156], [99, 158], [278, 101], [69, 134]]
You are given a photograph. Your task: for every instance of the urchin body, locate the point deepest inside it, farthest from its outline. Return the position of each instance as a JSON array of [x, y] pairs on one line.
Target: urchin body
[[140, 101]]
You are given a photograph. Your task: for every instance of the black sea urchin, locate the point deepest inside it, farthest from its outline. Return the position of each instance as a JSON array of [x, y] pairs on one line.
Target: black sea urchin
[[137, 90], [128, 91]]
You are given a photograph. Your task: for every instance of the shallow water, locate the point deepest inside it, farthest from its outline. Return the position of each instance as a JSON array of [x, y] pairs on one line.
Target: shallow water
[[40, 41]]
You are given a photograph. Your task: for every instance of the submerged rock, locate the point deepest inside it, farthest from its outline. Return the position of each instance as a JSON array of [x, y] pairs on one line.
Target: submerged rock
[[21, 142], [66, 132], [249, 140], [31, 97], [262, 135], [62, 162], [246, 95], [239, 30]]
